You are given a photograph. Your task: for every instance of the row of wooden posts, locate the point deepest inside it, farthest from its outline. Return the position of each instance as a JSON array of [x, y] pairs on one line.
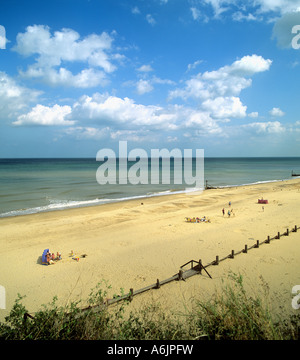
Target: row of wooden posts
[[183, 275], [246, 248]]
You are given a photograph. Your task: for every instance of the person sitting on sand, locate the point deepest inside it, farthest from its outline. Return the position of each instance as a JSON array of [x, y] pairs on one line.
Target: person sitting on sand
[[49, 260]]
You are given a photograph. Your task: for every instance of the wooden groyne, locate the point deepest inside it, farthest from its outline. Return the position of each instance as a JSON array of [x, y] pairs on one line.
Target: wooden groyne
[[207, 186], [196, 268], [254, 246]]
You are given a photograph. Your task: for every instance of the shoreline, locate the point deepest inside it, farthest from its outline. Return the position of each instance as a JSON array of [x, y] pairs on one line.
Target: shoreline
[[131, 245], [101, 202]]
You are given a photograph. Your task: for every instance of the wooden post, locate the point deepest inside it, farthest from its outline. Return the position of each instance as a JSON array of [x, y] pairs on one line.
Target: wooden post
[[26, 315], [131, 294], [278, 235], [232, 254], [217, 260], [180, 275], [287, 232], [268, 240], [295, 228], [257, 244], [157, 284], [200, 266], [246, 249]]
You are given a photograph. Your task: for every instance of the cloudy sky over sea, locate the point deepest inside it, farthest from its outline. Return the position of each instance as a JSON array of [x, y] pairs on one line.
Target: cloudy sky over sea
[[219, 75]]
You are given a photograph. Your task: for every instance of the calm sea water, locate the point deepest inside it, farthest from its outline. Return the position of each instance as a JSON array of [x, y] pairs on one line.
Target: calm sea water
[[35, 185]]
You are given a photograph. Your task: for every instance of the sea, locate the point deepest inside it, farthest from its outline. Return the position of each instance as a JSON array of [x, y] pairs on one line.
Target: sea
[[29, 186]]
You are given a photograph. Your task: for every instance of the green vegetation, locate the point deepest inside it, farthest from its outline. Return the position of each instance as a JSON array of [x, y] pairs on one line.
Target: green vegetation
[[231, 315]]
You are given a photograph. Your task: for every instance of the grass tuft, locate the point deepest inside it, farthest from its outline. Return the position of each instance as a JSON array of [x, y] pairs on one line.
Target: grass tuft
[[232, 314]]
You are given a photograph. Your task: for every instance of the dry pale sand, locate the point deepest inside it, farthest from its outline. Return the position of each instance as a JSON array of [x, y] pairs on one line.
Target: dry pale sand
[[131, 245]]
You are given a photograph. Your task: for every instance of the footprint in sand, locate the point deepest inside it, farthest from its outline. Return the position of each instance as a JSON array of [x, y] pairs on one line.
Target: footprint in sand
[[240, 230], [124, 243], [270, 260], [140, 278]]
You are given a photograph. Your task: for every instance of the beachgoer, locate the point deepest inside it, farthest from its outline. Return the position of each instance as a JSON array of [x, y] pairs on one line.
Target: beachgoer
[[228, 213], [223, 211], [229, 203], [53, 256], [49, 260]]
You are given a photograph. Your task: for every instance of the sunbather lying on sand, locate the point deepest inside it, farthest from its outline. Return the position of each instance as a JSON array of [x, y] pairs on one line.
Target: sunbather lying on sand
[[196, 220]]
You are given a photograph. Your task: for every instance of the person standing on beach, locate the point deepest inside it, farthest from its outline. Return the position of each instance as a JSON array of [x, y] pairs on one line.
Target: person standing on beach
[[223, 211], [228, 213], [229, 203]]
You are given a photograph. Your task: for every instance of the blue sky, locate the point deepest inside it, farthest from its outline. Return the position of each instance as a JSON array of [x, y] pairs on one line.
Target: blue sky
[[77, 76]]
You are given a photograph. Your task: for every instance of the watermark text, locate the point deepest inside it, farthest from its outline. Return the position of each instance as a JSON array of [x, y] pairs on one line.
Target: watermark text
[[187, 169], [2, 37], [296, 298], [2, 298]]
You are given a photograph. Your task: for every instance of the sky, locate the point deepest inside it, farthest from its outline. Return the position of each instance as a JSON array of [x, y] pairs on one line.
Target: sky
[[77, 76]]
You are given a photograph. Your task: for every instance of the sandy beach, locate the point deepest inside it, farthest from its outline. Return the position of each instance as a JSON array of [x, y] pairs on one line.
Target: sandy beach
[[131, 244]]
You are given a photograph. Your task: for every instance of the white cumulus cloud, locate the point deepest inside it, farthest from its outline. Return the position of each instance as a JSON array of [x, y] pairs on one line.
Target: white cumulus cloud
[[253, 114], [217, 91], [276, 112], [270, 127], [114, 110], [66, 46], [143, 86], [229, 80], [145, 68], [281, 6], [225, 107], [14, 98], [255, 10], [45, 116]]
